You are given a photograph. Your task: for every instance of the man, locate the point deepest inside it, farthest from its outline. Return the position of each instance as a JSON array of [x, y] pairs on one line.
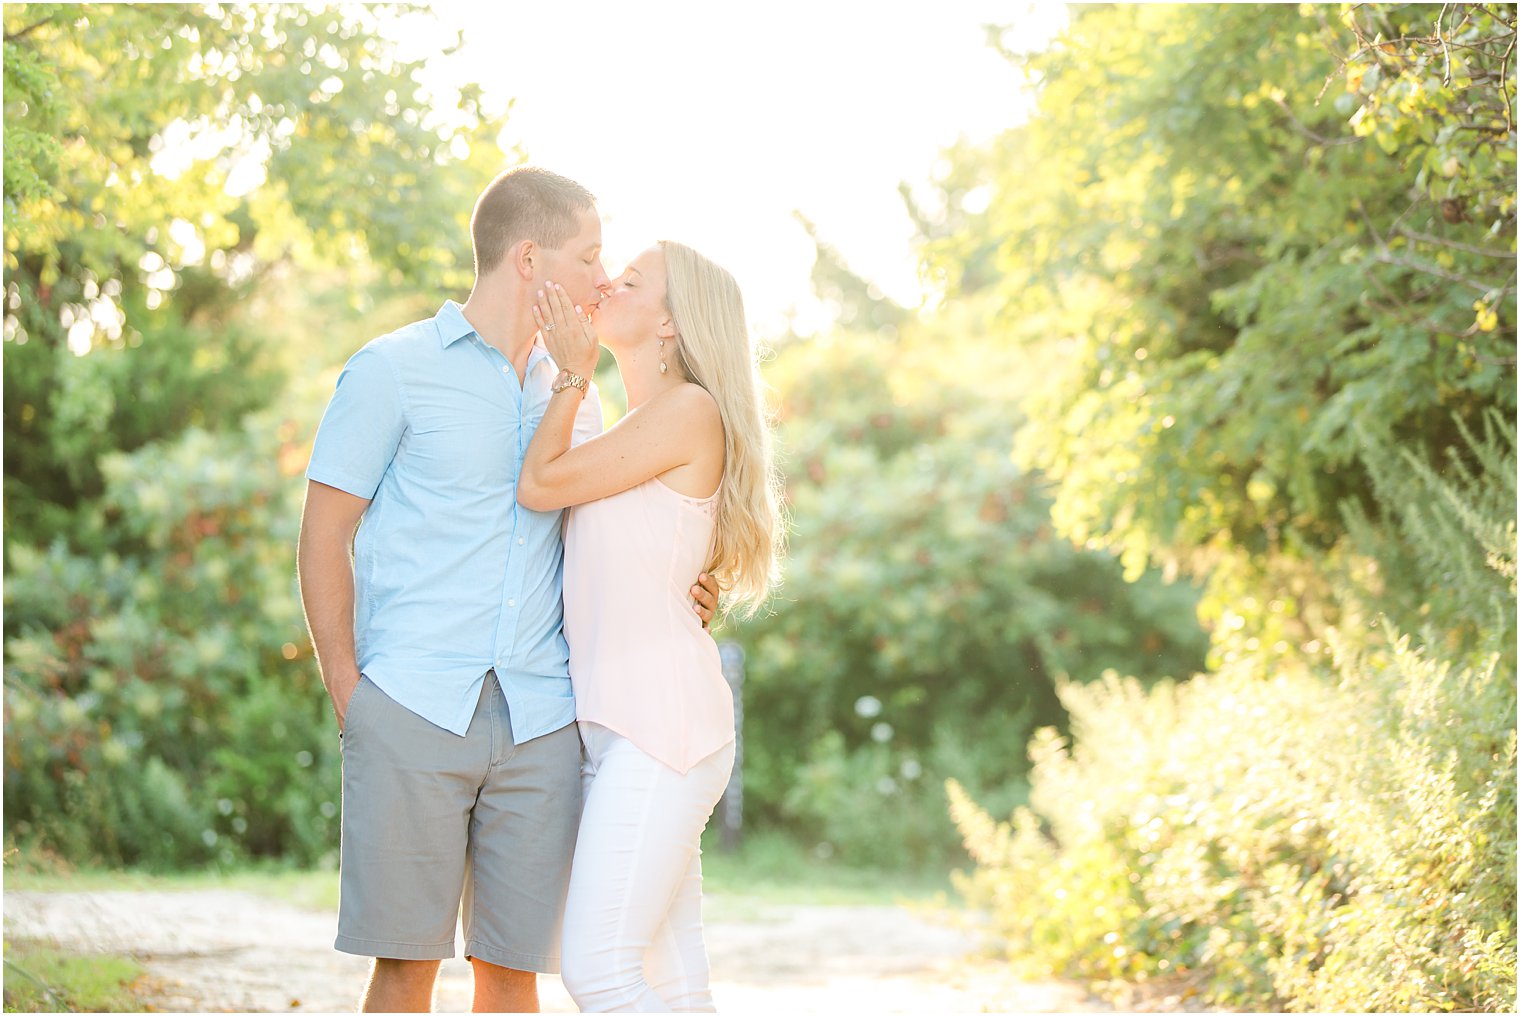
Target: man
[[440, 640]]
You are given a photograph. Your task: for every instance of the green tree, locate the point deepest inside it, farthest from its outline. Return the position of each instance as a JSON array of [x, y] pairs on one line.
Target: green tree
[[161, 164], [201, 202], [1275, 249], [1260, 268]]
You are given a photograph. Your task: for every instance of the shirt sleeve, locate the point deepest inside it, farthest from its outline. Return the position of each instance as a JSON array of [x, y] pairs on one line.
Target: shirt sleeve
[[361, 428], [588, 418]]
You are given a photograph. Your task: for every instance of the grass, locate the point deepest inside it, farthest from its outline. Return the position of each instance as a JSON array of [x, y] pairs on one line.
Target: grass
[[39, 978], [310, 890], [776, 869], [769, 869]]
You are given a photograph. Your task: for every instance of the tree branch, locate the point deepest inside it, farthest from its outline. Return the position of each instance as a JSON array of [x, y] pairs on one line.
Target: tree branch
[[1445, 49], [1308, 132], [1503, 89], [1454, 245], [29, 29], [1386, 257]]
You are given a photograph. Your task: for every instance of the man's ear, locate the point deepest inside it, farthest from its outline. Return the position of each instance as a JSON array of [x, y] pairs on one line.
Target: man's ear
[[524, 258]]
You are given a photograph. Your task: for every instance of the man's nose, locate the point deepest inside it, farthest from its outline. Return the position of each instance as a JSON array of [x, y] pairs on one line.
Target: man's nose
[[602, 283]]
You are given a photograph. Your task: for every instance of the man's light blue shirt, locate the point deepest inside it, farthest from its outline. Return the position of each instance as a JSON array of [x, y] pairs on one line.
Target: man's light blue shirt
[[452, 577]]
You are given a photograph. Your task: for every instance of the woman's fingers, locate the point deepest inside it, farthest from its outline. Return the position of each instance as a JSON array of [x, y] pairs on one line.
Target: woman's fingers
[[547, 307], [572, 316], [564, 309], [543, 310], [568, 333]]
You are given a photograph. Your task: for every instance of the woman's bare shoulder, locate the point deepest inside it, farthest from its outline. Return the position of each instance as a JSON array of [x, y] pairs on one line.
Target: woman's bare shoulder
[[691, 399]]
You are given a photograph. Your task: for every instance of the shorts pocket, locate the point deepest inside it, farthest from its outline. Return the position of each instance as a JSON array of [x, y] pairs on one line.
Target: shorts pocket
[[350, 716]]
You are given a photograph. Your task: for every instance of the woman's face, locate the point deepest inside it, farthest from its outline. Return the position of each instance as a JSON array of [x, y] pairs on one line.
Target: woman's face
[[634, 311]]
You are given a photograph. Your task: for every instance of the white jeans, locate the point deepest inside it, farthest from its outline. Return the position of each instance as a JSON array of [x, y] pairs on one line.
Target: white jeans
[[633, 920]]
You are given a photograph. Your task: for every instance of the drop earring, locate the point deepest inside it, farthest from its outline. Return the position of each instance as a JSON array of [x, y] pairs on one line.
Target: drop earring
[[662, 356]]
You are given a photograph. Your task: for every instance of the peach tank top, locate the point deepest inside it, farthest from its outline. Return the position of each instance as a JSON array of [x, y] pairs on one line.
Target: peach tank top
[[640, 661]]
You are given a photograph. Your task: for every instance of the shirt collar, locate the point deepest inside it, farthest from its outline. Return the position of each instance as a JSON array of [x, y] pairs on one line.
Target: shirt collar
[[538, 354], [451, 324]]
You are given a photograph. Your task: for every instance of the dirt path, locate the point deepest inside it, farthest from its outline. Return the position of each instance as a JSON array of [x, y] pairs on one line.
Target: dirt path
[[232, 951]]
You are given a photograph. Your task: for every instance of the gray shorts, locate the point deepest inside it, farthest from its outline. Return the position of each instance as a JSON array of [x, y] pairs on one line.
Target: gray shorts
[[429, 816]]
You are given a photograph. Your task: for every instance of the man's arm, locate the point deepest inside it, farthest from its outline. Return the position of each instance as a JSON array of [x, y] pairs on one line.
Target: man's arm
[[326, 570], [704, 597]]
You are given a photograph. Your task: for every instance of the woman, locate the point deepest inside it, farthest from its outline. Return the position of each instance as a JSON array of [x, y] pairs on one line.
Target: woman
[[683, 483]]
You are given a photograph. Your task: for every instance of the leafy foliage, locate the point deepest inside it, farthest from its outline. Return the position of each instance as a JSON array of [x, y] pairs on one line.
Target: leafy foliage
[[927, 608], [1246, 290], [186, 186], [1274, 839], [1278, 839], [1276, 249], [162, 706], [161, 163], [1449, 541]]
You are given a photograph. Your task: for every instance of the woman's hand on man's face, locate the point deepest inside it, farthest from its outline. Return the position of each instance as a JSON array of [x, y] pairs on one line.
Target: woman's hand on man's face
[[568, 332]]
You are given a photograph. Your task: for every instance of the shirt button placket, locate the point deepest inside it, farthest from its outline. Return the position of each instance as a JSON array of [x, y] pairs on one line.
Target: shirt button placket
[[507, 627]]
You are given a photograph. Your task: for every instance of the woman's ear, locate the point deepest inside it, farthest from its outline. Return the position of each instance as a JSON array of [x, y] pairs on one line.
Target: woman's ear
[[666, 329]]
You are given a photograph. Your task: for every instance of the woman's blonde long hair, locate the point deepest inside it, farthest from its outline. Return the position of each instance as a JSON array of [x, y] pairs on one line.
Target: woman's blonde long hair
[[713, 350]]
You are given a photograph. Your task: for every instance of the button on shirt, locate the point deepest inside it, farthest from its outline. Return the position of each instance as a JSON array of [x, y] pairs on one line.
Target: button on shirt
[[452, 577]]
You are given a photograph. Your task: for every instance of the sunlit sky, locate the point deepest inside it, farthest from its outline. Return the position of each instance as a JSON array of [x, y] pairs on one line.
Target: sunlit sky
[[710, 123]]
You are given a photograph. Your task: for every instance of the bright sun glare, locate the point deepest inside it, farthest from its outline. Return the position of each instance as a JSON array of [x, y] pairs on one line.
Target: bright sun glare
[[711, 123]]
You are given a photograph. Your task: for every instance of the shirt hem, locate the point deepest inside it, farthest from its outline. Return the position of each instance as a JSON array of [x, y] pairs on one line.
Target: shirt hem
[[660, 757], [458, 723]]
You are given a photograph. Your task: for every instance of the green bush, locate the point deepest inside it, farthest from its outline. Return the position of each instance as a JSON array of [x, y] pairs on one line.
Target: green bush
[[1340, 846], [161, 703], [927, 607], [1445, 555], [1341, 841], [882, 805]]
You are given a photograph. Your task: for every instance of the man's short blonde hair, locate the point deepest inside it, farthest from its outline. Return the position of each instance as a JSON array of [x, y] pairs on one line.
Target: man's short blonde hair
[[525, 203]]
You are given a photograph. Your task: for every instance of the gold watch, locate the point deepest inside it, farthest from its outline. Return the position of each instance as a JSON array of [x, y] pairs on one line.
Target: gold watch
[[568, 379]]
